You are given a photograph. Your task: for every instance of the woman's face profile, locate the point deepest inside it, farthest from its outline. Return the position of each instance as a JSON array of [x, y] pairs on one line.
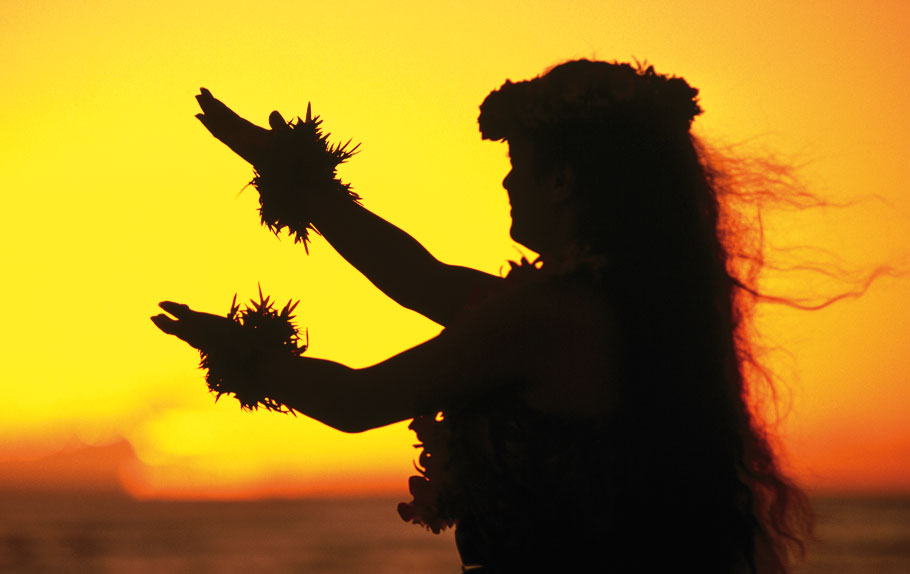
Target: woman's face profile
[[538, 201]]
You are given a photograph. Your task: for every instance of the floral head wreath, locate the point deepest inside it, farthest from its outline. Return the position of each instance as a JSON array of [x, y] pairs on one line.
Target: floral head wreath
[[588, 92]]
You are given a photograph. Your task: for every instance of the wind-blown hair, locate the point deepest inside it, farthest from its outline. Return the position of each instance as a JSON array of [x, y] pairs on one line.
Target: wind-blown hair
[[696, 476]]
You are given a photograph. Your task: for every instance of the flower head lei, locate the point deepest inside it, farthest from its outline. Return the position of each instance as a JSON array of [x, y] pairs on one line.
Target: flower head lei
[[588, 93], [233, 365], [301, 171]]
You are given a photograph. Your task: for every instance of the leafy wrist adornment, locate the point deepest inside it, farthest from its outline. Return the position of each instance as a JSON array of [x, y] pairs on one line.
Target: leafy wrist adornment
[[261, 332], [300, 173]]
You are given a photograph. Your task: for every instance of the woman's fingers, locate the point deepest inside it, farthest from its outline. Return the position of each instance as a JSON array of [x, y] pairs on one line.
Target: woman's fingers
[[210, 104], [178, 327], [178, 310], [246, 139], [196, 328], [165, 323], [277, 123], [197, 319], [217, 117]]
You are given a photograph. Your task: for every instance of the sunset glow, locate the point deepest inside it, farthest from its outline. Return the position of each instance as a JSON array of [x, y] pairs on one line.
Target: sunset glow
[[115, 198]]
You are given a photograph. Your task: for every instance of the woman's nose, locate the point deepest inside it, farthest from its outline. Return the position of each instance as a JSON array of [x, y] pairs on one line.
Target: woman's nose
[[506, 180]]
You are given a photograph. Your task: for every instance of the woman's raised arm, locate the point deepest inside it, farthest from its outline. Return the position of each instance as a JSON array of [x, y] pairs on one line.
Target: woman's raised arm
[[391, 259], [398, 264]]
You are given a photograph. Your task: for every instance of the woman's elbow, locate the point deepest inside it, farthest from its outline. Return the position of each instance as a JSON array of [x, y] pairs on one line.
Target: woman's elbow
[[351, 423], [351, 427]]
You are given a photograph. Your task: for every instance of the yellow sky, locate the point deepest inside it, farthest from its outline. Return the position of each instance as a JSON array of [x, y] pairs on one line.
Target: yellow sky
[[115, 198]]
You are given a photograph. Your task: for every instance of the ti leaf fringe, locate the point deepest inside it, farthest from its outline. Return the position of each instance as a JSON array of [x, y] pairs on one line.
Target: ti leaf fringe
[[302, 171], [233, 367]]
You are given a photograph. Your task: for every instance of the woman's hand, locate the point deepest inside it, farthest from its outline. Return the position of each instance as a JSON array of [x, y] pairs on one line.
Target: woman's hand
[[251, 142], [203, 331]]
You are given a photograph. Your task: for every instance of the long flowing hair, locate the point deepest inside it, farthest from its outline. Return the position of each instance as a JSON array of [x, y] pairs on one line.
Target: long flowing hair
[[694, 466]]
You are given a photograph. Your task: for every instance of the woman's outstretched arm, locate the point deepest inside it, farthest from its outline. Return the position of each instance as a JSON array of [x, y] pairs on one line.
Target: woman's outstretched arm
[[465, 361], [391, 259], [550, 344]]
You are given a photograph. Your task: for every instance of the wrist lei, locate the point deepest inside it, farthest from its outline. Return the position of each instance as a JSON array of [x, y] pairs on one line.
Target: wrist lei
[[261, 332], [300, 173]]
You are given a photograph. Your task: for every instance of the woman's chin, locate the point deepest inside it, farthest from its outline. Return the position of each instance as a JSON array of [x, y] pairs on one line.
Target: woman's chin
[[524, 240]]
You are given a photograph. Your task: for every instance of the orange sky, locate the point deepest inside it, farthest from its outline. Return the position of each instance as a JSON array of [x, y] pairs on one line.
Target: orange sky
[[116, 198]]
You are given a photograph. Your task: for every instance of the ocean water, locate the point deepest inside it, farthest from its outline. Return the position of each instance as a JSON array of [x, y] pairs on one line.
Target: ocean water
[[111, 535], [860, 535], [106, 534]]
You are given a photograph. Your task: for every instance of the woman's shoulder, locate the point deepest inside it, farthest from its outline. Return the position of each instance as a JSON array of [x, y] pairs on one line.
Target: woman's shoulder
[[528, 284], [571, 313]]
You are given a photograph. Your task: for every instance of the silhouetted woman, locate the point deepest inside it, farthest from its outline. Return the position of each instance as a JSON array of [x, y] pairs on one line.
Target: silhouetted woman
[[594, 412]]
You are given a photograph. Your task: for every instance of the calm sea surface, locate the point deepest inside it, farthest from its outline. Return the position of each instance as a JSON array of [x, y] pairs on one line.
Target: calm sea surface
[[108, 534]]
